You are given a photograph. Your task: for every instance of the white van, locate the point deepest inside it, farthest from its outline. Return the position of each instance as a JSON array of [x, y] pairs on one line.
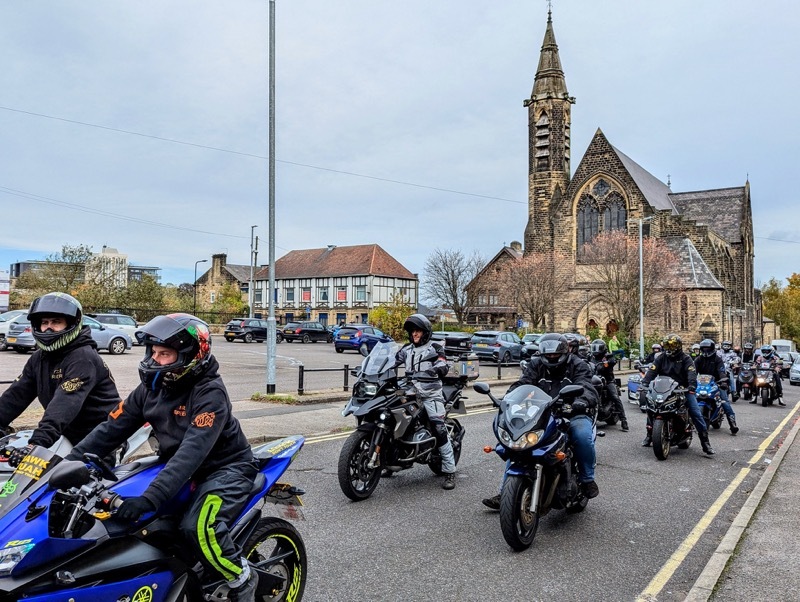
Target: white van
[[783, 345]]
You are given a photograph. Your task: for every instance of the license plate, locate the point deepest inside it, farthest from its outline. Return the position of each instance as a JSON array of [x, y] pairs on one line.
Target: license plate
[[227, 332], [344, 337], [481, 345], [289, 331], [12, 339]]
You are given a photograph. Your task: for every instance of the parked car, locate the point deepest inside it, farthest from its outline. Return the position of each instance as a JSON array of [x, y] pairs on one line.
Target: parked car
[[789, 358], [352, 337], [455, 344], [794, 373], [121, 322], [497, 346], [530, 345], [6, 319], [307, 332], [249, 330], [111, 339], [20, 336]]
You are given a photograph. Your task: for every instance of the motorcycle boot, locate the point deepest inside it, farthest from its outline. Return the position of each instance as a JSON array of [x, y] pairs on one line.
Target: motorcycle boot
[[624, 425], [648, 440], [493, 503], [449, 481], [706, 444], [732, 424], [246, 592], [781, 402]]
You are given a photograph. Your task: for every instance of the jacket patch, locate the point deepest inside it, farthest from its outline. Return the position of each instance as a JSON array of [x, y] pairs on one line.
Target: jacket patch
[[180, 411], [117, 412], [204, 420], [57, 374], [72, 385]]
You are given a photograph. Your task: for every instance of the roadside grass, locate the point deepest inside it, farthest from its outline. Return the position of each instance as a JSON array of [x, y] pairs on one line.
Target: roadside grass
[[274, 398]]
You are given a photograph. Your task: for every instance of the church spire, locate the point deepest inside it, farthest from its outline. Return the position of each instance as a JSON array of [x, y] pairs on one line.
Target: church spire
[[549, 82]]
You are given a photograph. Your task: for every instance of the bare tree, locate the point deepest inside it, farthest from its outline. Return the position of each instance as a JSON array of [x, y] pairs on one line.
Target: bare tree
[[533, 284], [59, 272], [447, 273], [612, 260]]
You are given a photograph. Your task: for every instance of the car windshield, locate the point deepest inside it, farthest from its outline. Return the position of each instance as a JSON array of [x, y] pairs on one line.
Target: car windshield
[[292, 325]]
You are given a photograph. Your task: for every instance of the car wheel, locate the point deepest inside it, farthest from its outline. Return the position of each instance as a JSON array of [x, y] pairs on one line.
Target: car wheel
[[278, 337], [330, 339], [306, 339], [4, 345], [229, 339], [248, 337], [117, 346], [339, 350], [506, 359], [364, 349], [22, 350]]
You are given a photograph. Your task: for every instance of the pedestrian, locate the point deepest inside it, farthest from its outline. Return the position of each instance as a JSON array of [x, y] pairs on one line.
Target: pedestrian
[[615, 348]]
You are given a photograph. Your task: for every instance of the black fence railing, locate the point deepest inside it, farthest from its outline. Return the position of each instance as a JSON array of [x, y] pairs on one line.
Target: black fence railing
[[301, 375]]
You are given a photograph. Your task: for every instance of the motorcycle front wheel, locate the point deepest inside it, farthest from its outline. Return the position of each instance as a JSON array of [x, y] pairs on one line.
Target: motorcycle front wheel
[[661, 438], [517, 522], [276, 548], [764, 396], [356, 480]]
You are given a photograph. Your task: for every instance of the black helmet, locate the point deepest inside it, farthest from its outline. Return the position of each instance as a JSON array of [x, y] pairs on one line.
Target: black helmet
[[766, 351], [55, 304], [748, 346], [572, 342], [553, 349], [672, 345], [708, 347], [656, 347], [726, 345], [599, 349], [184, 333], [418, 322]]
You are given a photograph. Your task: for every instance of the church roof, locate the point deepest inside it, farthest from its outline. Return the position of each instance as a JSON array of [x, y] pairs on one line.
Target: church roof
[[720, 209], [654, 190], [549, 81], [692, 269]]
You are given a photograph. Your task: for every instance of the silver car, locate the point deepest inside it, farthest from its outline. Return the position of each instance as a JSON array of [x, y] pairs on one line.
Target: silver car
[[794, 373], [20, 337]]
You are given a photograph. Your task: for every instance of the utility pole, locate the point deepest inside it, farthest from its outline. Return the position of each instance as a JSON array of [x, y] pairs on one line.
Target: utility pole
[[251, 295], [271, 330]]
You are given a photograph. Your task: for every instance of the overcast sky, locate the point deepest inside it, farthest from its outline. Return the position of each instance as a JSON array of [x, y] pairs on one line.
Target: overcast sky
[[422, 99]]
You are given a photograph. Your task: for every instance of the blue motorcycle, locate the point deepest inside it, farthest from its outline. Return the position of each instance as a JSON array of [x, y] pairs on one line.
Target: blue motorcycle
[[541, 468], [60, 539], [709, 400]]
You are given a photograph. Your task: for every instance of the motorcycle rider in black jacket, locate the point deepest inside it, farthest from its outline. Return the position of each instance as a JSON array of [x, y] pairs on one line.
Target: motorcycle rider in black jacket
[[551, 370], [709, 362], [768, 355], [748, 353], [71, 380], [673, 362], [603, 363]]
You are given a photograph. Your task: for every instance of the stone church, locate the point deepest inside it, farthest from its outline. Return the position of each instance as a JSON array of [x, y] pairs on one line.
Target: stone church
[[710, 230]]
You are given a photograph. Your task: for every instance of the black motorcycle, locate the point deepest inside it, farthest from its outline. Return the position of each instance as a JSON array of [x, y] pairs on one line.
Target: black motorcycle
[[541, 469], [393, 430], [765, 386], [746, 380], [669, 415], [606, 411], [732, 369]]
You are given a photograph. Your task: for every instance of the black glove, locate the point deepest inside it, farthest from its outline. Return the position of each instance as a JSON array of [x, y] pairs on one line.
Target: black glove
[[16, 454], [642, 397], [723, 386], [579, 407], [134, 507]]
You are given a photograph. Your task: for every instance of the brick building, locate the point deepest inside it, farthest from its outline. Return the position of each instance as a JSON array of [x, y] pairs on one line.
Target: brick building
[[710, 230]]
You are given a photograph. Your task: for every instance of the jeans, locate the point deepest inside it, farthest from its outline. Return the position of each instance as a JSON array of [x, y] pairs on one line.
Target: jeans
[[733, 381], [726, 405], [581, 435], [695, 413]]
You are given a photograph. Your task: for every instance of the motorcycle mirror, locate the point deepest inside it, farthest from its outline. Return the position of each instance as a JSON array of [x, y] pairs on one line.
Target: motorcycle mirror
[[363, 350], [69, 474], [571, 391], [482, 388]]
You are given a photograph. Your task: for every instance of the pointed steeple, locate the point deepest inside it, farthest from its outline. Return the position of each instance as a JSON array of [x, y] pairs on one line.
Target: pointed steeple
[[549, 82]]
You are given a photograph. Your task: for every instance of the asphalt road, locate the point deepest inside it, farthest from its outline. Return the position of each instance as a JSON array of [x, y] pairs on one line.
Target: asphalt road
[[414, 541]]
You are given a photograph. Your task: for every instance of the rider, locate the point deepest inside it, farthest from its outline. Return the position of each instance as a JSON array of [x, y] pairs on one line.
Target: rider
[[183, 398], [768, 355], [712, 364], [603, 362], [694, 353], [748, 353], [679, 366], [729, 356], [71, 380], [426, 365], [654, 351], [554, 368]]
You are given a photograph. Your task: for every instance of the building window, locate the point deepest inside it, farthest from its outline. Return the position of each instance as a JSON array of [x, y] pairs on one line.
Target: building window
[[288, 294], [322, 295], [588, 222], [492, 298], [541, 144], [341, 293], [361, 293], [667, 313], [305, 293], [684, 313], [481, 298], [615, 215], [257, 296], [212, 296]]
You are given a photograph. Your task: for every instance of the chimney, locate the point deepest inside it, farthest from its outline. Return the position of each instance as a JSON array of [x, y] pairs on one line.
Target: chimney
[[516, 245]]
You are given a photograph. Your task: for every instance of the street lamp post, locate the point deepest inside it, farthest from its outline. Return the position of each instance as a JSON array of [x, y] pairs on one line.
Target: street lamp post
[[641, 289], [250, 292], [194, 305]]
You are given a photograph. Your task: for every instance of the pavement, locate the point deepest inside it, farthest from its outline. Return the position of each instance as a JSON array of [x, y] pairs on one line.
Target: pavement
[[755, 559]]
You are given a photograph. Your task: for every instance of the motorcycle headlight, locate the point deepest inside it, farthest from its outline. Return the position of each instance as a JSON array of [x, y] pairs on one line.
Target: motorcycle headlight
[[528, 439], [11, 557], [367, 389]]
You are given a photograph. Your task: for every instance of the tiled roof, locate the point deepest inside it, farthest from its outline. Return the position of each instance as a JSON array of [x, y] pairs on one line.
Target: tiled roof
[[240, 272], [357, 260], [654, 190], [720, 210], [692, 270]]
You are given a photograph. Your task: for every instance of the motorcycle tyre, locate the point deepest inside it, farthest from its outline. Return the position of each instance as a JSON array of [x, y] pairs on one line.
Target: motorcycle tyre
[[435, 463], [356, 449], [717, 423], [517, 523], [611, 420], [661, 438], [287, 543], [747, 395], [765, 397]]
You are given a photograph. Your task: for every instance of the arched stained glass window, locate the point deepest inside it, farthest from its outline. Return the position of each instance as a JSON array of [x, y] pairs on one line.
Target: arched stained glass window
[[588, 221], [615, 215]]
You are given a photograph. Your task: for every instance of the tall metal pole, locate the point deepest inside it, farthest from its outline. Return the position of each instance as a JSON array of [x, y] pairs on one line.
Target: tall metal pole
[[194, 305], [250, 290], [641, 295], [271, 330]]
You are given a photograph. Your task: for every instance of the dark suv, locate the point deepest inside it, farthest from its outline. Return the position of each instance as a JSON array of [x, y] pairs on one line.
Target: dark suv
[[455, 344], [306, 332], [249, 330]]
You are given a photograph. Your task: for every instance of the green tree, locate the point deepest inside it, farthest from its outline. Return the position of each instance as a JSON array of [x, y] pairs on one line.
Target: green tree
[[229, 301], [390, 317], [782, 304]]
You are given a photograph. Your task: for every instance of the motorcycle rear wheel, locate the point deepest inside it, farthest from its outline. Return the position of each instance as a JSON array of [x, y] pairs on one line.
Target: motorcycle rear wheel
[[275, 538], [517, 522], [661, 438], [355, 479]]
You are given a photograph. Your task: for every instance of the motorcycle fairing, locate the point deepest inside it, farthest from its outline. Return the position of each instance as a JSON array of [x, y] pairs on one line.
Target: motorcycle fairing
[[524, 409], [153, 588]]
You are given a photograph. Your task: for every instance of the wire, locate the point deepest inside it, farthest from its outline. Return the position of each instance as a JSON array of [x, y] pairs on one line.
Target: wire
[[243, 154], [796, 242]]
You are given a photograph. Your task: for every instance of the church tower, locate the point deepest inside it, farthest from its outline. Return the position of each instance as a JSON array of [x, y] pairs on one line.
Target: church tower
[[548, 143]]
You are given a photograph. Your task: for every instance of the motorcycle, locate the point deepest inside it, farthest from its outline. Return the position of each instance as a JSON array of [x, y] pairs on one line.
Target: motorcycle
[[765, 386], [746, 380], [709, 400], [541, 469], [634, 382], [669, 415], [393, 431], [605, 409], [732, 369], [65, 542]]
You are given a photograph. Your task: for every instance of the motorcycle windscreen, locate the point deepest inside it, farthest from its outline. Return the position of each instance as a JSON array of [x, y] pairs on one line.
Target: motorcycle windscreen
[[663, 385], [525, 408], [381, 358], [31, 474], [705, 380]]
